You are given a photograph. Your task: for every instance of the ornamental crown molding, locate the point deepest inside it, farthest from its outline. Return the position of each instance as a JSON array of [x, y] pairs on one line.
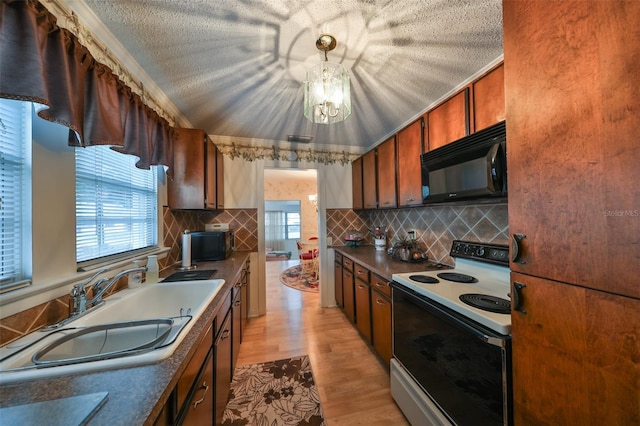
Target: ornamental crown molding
[[310, 155]]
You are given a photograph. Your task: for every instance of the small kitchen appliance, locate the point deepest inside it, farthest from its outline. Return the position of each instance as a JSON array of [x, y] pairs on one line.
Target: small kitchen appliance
[[212, 245], [451, 339]]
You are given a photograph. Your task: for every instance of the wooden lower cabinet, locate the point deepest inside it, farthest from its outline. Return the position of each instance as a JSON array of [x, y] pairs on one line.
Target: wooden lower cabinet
[[349, 295], [367, 304], [363, 309], [222, 354], [200, 407], [338, 282], [236, 329], [381, 318], [576, 355]]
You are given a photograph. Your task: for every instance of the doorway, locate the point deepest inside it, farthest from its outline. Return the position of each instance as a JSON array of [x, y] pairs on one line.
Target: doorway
[[291, 216]]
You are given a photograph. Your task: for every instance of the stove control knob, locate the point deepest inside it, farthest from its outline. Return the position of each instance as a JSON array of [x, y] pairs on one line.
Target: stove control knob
[[480, 252]]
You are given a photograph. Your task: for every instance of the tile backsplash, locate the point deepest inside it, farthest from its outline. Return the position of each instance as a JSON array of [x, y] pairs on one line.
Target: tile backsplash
[[244, 223], [436, 226]]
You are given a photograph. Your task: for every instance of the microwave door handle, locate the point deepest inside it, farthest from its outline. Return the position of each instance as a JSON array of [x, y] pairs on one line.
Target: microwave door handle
[[492, 167]]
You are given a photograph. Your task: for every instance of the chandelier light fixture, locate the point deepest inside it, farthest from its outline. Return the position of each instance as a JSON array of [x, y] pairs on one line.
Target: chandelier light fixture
[[327, 90]]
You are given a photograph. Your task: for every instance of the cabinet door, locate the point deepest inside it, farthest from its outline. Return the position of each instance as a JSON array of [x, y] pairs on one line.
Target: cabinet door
[[211, 166], [410, 140], [244, 298], [219, 179], [488, 99], [363, 309], [222, 353], [356, 182], [348, 293], [449, 121], [575, 355], [186, 190], [338, 284], [201, 404], [236, 328], [572, 141], [369, 191], [381, 325], [386, 174]]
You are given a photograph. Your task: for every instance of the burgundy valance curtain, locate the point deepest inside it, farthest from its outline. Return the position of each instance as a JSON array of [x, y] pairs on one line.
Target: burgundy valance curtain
[[41, 62]]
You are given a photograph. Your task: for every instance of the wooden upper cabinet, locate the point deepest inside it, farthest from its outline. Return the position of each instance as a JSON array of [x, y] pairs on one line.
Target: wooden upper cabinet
[[409, 149], [572, 141], [449, 121], [211, 167], [356, 182], [219, 179], [488, 99], [386, 172], [369, 192], [195, 169]]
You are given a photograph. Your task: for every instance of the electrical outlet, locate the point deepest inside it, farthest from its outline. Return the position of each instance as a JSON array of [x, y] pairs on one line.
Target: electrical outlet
[[411, 233], [329, 241]]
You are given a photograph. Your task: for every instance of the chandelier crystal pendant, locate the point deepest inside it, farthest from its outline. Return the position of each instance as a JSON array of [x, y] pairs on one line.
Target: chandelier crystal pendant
[[327, 90]]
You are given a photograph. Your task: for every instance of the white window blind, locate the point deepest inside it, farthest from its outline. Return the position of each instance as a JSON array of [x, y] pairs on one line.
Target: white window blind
[[15, 162], [115, 204]]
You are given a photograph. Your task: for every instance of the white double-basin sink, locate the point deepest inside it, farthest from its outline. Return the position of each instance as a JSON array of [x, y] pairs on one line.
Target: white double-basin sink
[[133, 327]]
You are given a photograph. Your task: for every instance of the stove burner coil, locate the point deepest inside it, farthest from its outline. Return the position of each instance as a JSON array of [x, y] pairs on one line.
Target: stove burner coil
[[457, 277], [487, 303], [424, 279]]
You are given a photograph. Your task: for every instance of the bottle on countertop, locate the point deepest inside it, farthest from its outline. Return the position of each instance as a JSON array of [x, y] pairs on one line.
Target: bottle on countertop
[[153, 269]]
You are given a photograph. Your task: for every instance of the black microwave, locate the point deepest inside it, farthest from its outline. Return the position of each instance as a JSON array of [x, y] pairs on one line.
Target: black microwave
[[211, 245], [470, 168]]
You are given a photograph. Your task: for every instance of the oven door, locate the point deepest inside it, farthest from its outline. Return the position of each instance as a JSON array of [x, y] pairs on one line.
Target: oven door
[[463, 367]]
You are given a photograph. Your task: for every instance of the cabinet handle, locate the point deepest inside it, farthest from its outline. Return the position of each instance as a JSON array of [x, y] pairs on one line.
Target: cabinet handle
[[238, 303], [410, 199], [361, 287], [225, 334], [201, 400], [379, 285], [517, 298], [380, 302], [516, 248]]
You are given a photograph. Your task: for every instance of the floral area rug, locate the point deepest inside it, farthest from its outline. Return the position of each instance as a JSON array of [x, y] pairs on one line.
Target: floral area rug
[[298, 279], [274, 393]]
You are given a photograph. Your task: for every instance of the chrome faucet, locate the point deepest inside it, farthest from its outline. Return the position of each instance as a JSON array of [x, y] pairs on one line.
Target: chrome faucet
[[79, 291], [82, 305]]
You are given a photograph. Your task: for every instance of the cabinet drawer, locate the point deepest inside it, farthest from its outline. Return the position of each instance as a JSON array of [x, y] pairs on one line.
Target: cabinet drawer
[[381, 285], [190, 374], [338, 258], [361, 273], [347, 264]]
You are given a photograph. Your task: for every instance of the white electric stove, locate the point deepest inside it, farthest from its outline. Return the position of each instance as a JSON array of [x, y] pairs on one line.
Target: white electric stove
[[481, 276]]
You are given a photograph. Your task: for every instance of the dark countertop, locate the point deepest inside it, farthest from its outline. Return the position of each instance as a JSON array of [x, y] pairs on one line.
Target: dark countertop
[[136, 395], [379, 262]]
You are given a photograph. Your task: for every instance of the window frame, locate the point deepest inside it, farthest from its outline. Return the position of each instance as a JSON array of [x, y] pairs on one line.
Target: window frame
[[152, 242], [20, 127]]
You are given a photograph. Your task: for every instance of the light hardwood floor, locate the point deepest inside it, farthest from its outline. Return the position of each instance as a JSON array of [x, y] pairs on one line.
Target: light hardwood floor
[[353, 383]]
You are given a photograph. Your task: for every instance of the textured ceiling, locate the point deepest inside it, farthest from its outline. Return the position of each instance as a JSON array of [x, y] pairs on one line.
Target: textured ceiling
[[235, 67]]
